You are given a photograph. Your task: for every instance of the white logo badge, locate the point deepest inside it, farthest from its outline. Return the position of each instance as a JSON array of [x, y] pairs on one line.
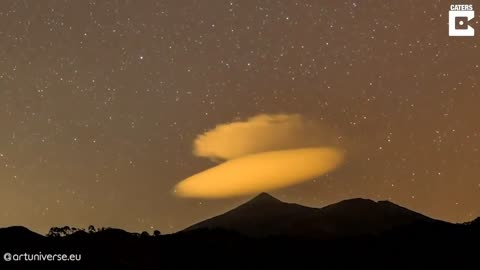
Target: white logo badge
[[458, 18]]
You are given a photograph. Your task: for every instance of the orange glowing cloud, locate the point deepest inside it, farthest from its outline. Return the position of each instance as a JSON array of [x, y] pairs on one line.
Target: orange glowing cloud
[[260, 133], [260, 172], [262, 153]]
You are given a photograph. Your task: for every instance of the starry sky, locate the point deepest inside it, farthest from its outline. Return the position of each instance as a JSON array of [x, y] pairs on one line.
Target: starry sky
[[100, 102]]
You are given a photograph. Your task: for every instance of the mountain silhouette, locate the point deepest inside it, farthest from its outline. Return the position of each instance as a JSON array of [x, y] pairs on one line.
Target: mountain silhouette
[[475, 222], [265, 215], [261, 216], [264, 198], [18, 234], [265, 231]]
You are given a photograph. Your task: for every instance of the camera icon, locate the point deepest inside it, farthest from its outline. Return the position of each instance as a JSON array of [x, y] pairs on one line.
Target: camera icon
[[458, 23]]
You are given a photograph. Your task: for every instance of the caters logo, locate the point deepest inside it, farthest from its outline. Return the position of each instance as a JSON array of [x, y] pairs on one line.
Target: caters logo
[[459, 17]]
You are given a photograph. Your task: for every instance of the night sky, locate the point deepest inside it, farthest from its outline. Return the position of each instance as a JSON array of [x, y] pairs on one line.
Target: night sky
[[101, 101]]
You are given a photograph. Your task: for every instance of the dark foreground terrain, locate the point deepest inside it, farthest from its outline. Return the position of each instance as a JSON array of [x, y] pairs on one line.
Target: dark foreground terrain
[[267, 233]]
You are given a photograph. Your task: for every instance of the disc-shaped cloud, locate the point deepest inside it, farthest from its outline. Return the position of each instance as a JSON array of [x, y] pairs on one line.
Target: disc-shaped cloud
[[260, 172], [260, 133]]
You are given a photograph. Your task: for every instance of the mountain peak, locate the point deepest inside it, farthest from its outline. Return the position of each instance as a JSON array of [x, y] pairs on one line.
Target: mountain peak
[[364, 205], [264, 198], [358, 201]]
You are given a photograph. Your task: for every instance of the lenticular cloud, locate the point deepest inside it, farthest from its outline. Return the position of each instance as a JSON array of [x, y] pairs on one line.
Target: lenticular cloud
[[263, 153], [260, 134]]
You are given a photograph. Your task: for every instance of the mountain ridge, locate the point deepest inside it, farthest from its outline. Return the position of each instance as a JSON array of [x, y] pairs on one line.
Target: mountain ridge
[[265, 215], [365, 232]]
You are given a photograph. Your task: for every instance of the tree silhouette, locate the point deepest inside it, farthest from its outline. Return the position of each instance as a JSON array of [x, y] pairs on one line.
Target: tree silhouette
[[54, 232], [157, 233], [91, 229], [62, 231]]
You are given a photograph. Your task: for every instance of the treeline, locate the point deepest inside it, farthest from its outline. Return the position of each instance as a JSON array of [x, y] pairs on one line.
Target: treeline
[[67, 231]]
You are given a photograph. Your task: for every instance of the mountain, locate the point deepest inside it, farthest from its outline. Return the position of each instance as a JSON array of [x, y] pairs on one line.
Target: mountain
[[258, 216], [475, 223], [262, 215], [364, 216], [265, 215], [18, 234], [336, 236]]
